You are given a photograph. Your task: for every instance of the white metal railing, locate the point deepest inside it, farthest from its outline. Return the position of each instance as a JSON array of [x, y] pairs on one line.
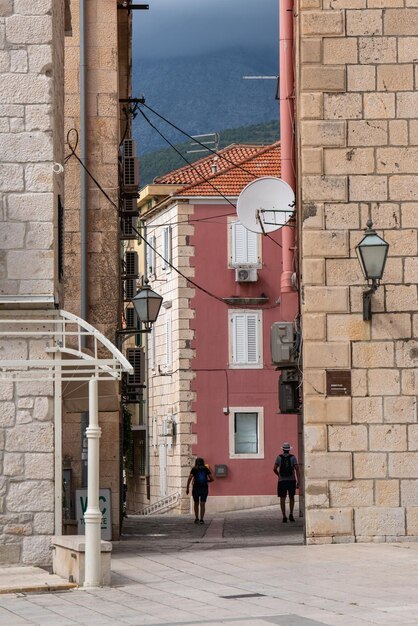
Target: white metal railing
[[63, 333], [161, 506]]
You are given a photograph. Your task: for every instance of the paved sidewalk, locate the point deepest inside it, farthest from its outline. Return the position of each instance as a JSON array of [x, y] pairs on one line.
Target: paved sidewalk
[[206, 580]]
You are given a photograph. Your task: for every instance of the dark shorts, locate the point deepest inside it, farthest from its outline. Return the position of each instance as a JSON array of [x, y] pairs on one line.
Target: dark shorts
[[200, 493], [285, 487]]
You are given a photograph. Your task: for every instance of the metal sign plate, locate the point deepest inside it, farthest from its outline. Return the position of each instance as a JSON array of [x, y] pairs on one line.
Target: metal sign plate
[[338, 382]]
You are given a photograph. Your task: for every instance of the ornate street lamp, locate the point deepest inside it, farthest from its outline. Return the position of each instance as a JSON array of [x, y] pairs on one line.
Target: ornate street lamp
[[372, 252], [147, 304]]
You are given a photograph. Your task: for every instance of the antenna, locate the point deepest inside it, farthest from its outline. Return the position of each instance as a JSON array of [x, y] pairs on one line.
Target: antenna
[[213, 139], [265, 204]]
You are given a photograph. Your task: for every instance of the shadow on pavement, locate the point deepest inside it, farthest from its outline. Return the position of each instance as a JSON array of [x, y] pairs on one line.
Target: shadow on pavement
[[169, 533]]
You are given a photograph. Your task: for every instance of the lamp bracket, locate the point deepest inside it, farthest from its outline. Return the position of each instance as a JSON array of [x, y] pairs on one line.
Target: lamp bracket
[[367, 301]]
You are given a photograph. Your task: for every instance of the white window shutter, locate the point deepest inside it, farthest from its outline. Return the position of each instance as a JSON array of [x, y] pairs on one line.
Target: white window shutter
[[245, 339], [239, 244], [239, 338], [244, 245], [151, 255], [168, 340], [252, 248], [252, 337], [166, 248]]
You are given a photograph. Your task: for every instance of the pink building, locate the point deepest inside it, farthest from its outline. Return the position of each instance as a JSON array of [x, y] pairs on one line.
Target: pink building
[[211, 376]]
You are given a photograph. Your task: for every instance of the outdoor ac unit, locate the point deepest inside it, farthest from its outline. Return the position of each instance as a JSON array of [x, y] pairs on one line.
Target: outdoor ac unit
[[131, 319], [131, 264], [130, 166], [129, 226], [282, 343], [136, 358], [129, 289], [246, 275]]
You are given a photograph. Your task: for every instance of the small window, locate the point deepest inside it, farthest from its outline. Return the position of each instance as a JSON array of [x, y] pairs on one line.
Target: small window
[[245, 339], [244, 246], [166, 249], [246, 432]]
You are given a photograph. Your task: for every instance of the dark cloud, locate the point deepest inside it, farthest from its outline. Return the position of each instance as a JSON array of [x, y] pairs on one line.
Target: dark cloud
[[184, 27]]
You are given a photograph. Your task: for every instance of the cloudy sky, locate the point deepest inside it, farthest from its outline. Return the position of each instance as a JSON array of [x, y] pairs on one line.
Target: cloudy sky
[[183, 27]]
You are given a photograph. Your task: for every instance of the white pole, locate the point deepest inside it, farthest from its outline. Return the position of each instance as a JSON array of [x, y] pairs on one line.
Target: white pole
[[58, 444], [93, 516]]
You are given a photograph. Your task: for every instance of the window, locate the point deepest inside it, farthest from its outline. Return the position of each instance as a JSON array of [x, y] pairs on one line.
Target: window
[[245, 339], [244, 246], [166, 249], [246, 432]]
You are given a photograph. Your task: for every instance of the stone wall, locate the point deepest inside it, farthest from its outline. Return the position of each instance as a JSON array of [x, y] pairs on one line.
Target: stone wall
[[31, 123], [108, 73], [358, 147]]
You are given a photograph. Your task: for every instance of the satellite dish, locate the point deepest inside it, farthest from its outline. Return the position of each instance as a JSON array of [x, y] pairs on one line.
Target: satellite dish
[[265, 204]]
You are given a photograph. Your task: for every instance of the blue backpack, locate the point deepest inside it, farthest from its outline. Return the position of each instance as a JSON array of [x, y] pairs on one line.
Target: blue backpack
[[201, 476]]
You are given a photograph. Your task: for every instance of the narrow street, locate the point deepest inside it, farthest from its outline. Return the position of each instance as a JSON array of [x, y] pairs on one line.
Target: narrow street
[[167, 533]]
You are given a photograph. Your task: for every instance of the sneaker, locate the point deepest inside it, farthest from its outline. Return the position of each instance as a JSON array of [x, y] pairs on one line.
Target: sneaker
[[284, 520], [291, 518], [202, 522], [196, 521]]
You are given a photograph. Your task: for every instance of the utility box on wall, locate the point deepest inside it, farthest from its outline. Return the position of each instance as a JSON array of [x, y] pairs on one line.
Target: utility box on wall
[[289, 401], [282, 344]]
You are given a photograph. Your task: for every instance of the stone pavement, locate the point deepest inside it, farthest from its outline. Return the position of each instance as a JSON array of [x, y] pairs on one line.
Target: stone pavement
[[167, 571]]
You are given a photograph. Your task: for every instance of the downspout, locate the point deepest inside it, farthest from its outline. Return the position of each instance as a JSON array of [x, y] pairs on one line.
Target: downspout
[[83, 173], [287, 132], [83, 214]]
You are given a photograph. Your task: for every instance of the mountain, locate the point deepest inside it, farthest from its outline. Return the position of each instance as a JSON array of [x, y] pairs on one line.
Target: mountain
[[166, 160], [204, 93]]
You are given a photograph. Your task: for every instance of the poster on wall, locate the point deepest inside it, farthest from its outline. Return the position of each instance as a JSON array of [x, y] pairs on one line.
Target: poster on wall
[[105, 508]]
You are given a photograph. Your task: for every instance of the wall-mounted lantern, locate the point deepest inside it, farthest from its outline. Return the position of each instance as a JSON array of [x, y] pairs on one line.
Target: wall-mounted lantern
[[372, 252], [147, 305]]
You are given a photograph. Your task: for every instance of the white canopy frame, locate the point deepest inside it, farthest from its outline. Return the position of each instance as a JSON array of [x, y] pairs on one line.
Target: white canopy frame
[[64, 334]]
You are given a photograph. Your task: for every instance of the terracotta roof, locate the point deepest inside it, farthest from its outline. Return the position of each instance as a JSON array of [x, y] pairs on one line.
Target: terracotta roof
[[231, 180], [202, 168]]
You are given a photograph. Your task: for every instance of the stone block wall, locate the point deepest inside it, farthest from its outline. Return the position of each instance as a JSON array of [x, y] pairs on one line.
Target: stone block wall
[[357, 104], [108, 42], [31, 127]]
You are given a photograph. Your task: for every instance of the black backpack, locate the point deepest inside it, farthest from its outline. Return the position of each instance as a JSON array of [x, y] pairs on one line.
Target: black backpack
[[286, 467]]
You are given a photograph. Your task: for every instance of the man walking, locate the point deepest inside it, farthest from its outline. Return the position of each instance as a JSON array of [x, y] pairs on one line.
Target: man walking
[[287, 469]]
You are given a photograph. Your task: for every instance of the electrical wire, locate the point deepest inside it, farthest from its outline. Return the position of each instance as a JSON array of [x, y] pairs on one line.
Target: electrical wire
[[186, 160], [189, 280], [192, 282], [218, 154]]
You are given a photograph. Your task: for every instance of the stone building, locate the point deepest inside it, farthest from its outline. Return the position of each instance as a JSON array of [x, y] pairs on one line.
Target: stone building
[[357, 156], [40, 252], [31, 132]]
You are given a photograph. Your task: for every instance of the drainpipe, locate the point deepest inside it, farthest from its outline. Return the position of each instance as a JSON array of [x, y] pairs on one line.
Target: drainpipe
[[83, 215], [83, 173], [287, 132]]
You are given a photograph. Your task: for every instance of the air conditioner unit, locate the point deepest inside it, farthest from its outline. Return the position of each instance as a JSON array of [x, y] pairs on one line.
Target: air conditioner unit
[[246, 275], [129, 289], [129, 227], [131, 319], [131, 264], [130, 206], [130, 166], [282, 344], [136, 358]]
